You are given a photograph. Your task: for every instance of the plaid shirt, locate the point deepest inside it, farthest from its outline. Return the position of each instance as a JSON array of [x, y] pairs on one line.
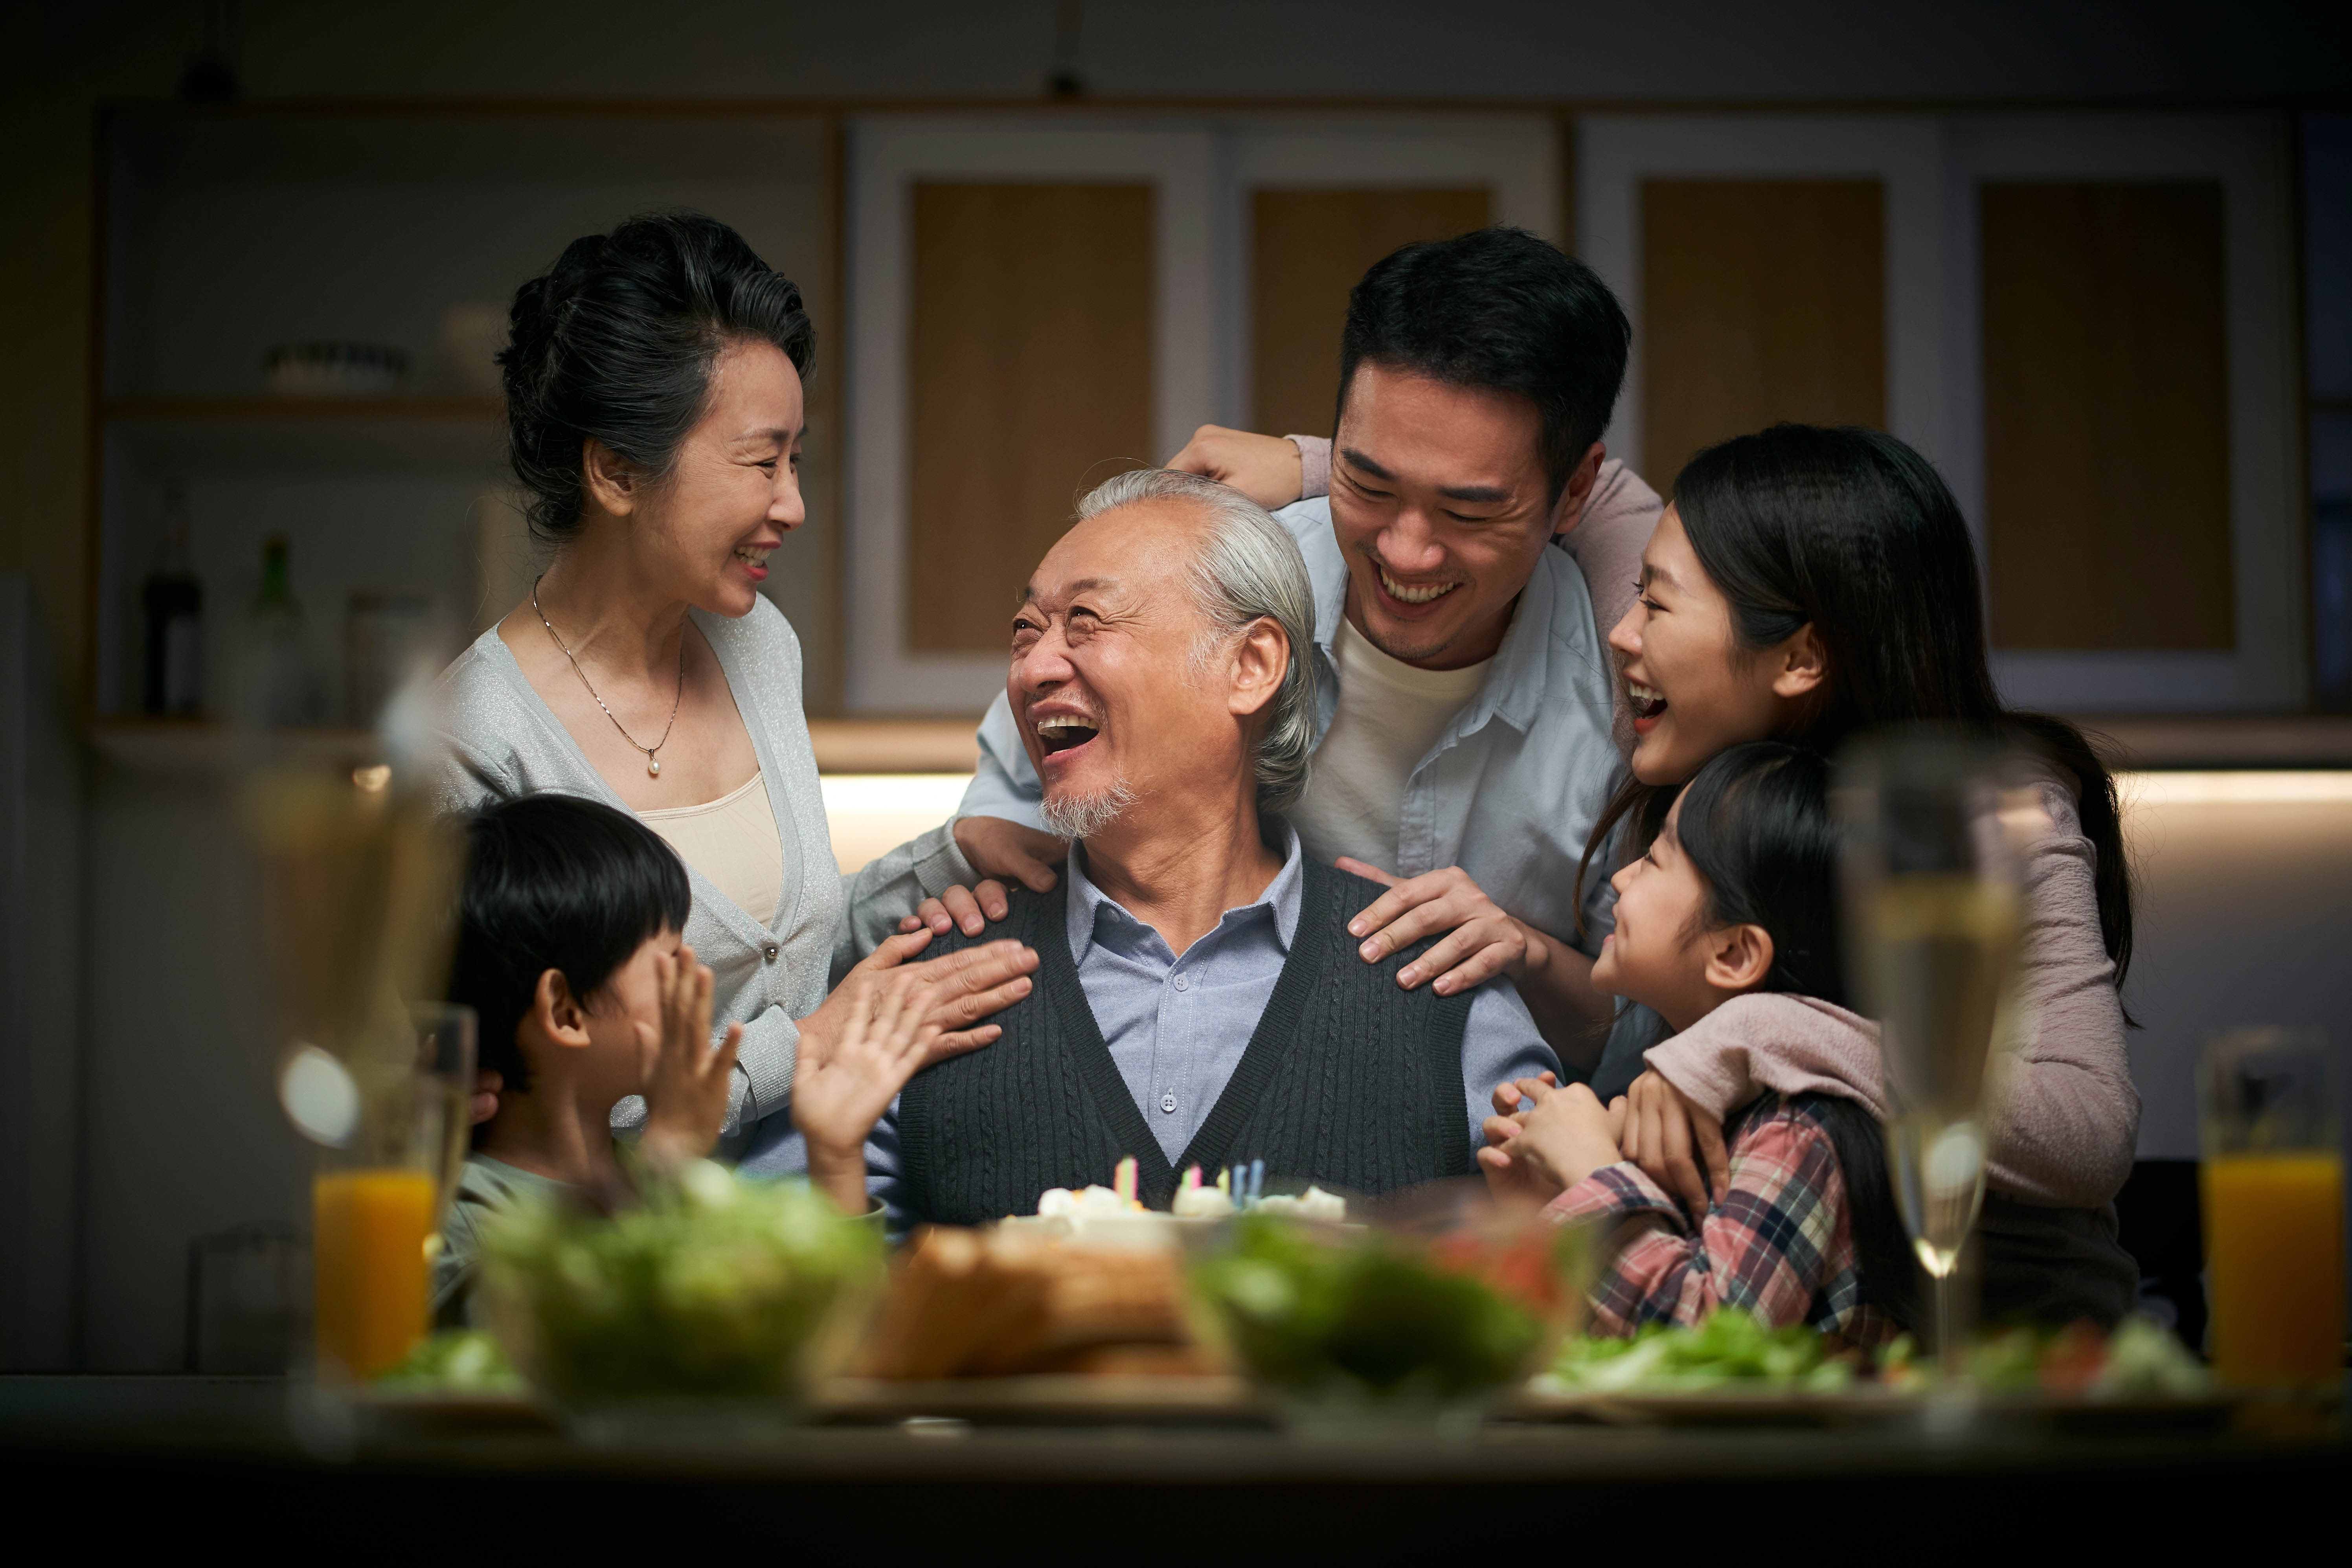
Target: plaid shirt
[[1778, 1240]]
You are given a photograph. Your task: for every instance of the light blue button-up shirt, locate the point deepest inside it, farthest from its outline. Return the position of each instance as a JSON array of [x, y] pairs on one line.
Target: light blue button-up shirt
[[1511, 788], [1177, 1027]]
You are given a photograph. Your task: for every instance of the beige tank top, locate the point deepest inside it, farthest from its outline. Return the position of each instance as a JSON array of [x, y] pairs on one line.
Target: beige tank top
[[732, 842]]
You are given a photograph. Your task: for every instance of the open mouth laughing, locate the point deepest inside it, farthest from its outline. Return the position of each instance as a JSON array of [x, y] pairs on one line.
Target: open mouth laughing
[[1645, 702], [754, 558], [1059, 734], [1415, 593]]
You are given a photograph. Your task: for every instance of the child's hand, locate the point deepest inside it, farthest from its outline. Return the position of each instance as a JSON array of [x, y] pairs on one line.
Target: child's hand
[[843, 1083], [687, 1093], [1543, 1152]]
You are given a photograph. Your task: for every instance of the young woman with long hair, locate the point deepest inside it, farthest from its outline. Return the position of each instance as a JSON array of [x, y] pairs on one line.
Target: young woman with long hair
[[1806, 583]]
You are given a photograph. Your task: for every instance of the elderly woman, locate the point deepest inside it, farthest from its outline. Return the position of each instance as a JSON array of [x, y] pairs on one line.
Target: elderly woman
[[655, 413]]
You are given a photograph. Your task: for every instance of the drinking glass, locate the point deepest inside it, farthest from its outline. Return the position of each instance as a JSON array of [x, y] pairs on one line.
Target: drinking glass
[[391, 1122], [1932, 912], [2274, 1193]]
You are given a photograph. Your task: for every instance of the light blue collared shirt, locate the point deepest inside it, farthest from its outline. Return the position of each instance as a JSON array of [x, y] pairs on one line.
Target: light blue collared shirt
[[1177, 1026], [1511, 788]]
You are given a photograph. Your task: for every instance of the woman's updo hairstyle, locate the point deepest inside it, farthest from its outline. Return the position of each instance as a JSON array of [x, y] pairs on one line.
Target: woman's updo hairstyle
[[617, 343]]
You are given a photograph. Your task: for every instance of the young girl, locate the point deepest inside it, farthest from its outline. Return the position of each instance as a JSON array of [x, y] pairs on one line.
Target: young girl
[[1737, 896]]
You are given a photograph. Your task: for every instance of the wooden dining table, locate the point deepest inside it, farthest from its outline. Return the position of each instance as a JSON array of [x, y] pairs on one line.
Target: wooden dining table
[[270, 1450]]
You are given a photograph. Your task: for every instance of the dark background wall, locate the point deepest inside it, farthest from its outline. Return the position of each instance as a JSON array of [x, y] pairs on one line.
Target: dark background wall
[[58, 60]]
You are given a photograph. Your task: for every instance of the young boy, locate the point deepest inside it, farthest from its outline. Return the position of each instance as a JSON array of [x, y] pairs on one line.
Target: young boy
[[568, 951]]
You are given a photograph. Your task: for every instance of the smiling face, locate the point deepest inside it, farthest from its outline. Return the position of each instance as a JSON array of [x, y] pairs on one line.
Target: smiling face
[[704, 533], [1691, 689], [1442, 506], [1657, 955], [1113, 704]]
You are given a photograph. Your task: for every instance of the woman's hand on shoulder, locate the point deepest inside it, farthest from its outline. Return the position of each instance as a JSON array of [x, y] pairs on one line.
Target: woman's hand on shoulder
[[956, 992], [1674, 1141], [1266, 468]]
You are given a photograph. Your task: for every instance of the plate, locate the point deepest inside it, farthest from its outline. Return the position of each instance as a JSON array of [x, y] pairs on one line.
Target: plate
[[1059, 1399], [1730, 1405], [448, 1410]]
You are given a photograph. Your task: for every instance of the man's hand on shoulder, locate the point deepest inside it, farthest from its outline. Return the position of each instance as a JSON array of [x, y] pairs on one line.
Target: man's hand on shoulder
[[1266, 468], [1482, 941]]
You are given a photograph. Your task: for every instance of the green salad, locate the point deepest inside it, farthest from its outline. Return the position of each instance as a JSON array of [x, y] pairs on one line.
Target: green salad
[[457, 1361], [1312, 1309], [1732, 1347], [2140, 1360], [716, 1286]]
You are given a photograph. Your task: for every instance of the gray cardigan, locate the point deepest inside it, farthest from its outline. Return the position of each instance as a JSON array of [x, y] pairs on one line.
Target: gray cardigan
[[501, 741]]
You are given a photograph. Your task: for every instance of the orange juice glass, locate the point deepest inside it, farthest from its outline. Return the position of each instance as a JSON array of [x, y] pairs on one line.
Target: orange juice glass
[[370, 1232], [391, 1118], [2273, 1184]]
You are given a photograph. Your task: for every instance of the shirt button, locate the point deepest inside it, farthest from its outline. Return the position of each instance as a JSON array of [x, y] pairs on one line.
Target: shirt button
[[1168, 1103], [1182, 983], [770, 952]]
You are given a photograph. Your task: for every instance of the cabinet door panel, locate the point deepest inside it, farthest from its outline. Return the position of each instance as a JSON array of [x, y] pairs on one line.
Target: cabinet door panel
[[1030, 361]]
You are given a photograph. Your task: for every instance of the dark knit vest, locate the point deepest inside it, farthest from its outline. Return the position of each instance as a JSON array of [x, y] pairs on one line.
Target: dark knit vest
[[1350, 1080]]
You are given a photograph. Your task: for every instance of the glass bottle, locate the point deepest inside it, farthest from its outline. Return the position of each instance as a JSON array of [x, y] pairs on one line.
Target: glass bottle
[[281, 661], [175, 605]]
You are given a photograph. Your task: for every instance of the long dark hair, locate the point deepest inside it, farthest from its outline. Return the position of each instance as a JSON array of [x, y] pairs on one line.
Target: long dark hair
[[1754, 824], [1854, 534], [1892, 1280]]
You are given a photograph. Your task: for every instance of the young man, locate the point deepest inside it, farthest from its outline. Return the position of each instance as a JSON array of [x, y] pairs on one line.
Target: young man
[[1464, 745], [568, 952]]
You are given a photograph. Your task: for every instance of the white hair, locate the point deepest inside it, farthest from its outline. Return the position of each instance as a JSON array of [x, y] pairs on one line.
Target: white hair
[[1083, 816], [1248, 569]]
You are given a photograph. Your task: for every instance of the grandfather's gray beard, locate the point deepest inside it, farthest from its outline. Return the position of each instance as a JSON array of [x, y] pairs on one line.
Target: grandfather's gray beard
[[1083, 816]]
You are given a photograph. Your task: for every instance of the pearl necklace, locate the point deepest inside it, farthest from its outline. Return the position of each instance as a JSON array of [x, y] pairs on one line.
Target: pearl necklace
[[653, 763]]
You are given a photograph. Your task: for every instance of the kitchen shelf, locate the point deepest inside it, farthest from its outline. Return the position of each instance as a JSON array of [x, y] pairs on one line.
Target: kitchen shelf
[[207, 436], [215, 747], [2222, 741]]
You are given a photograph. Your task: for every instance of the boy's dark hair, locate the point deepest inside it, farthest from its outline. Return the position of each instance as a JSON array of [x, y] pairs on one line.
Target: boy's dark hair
[[1498, 309], [554, 881], [1755, 824]]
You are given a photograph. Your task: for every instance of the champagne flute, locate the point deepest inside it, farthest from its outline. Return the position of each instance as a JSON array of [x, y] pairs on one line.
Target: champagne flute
[[1933, 912]]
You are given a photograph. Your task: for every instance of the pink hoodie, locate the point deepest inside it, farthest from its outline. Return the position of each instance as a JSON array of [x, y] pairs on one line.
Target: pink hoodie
[[2066, 1117]]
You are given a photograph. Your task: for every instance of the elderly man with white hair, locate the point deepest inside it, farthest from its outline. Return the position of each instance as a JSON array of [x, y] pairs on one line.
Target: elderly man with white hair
[[1199, 1001]]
